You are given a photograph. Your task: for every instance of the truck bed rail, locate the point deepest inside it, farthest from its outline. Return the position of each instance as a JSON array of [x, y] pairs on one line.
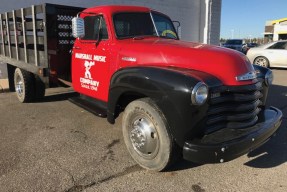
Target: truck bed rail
[[38, 39]]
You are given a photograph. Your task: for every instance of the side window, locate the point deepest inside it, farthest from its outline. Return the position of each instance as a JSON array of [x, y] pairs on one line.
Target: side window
[[279, 45], [95, 27]]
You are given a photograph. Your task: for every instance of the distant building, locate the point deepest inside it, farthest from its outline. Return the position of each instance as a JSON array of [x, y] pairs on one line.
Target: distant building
[[199, 19], [275, 30]]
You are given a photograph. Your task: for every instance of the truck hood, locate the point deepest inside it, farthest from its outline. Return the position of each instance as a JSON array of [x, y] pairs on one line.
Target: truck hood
[[223, 63]]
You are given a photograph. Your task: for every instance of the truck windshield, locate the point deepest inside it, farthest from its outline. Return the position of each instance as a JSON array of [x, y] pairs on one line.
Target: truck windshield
[[129, 25], [164, 26]]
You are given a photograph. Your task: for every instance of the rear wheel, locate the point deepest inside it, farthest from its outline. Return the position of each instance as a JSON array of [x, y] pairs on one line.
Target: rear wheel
[[262, 61], [39, 89], [147, 137], [24, 85]]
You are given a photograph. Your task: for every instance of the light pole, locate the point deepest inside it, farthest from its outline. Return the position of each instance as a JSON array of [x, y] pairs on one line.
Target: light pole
[[232, 33]]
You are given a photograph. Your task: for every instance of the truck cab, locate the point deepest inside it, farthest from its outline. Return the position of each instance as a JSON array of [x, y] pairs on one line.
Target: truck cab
[[111, 37]]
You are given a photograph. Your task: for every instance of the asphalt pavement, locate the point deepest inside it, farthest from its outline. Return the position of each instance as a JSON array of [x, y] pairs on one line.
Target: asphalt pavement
[[55, 145]]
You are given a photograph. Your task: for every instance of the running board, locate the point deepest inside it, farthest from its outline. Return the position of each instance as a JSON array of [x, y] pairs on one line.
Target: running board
[[89, 104]]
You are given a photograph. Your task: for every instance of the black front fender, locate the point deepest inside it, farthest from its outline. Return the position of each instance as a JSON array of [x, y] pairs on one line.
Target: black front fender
[[170, 88]]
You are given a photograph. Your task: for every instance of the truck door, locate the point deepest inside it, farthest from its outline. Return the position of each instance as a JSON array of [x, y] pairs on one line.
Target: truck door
[[91, 59]]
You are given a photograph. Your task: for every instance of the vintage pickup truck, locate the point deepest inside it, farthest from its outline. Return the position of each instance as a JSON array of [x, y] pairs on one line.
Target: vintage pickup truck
[[202, 102]]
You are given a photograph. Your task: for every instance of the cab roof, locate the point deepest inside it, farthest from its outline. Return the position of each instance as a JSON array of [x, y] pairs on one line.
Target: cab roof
[[111, 9]]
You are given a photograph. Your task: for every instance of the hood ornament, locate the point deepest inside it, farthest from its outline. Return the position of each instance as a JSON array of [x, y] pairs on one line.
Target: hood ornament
[[247, 76]]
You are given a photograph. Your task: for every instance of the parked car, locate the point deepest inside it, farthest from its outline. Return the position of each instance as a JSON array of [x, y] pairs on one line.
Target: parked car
[[236, 44], [251, 45], [248, 46], [270, 55]]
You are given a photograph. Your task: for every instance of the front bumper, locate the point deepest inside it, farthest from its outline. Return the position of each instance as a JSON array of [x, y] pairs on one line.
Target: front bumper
[[199, 152]]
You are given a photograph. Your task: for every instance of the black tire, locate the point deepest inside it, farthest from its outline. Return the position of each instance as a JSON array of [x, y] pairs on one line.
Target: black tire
[[262, 61], [146, 135], [24, 85], [39, 89]]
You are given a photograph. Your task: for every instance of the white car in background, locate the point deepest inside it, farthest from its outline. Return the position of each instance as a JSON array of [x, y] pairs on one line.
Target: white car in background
[[270, 55]]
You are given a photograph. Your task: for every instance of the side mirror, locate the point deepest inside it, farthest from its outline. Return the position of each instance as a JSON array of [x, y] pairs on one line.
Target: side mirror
[[78, 27], [177, 26]]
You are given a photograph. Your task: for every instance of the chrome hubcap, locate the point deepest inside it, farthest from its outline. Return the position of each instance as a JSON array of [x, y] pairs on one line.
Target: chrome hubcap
[[19, 86], [261, 62], [144, 138]]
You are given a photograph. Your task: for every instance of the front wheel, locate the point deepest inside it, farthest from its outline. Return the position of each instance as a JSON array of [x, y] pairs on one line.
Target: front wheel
[[261, 61], [146, 135]]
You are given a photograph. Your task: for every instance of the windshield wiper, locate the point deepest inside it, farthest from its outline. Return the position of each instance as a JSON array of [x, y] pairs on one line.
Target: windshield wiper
[[165, 37], [139, 37]]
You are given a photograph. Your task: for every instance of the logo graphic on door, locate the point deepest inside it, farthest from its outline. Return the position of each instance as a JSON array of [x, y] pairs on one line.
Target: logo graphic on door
[[88, 82], [88, 65]]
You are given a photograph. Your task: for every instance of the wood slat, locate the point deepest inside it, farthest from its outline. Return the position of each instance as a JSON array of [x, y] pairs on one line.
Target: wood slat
[[8, 35], [35, 35], [30, 55], [15, 35], [28, 24], [2, 36], [24, 35], [28, 39]]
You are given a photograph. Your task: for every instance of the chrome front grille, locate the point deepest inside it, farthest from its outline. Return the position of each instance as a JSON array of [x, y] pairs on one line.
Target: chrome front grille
[[234, 107]]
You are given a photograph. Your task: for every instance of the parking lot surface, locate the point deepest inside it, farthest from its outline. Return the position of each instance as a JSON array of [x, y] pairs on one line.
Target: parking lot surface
[[54, 145]]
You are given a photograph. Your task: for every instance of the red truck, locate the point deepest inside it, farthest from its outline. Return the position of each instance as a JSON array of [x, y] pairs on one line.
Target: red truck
[[179, 99]]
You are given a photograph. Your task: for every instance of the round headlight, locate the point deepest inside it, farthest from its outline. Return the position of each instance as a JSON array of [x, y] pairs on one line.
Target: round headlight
[[268, 78], [199, 94]]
